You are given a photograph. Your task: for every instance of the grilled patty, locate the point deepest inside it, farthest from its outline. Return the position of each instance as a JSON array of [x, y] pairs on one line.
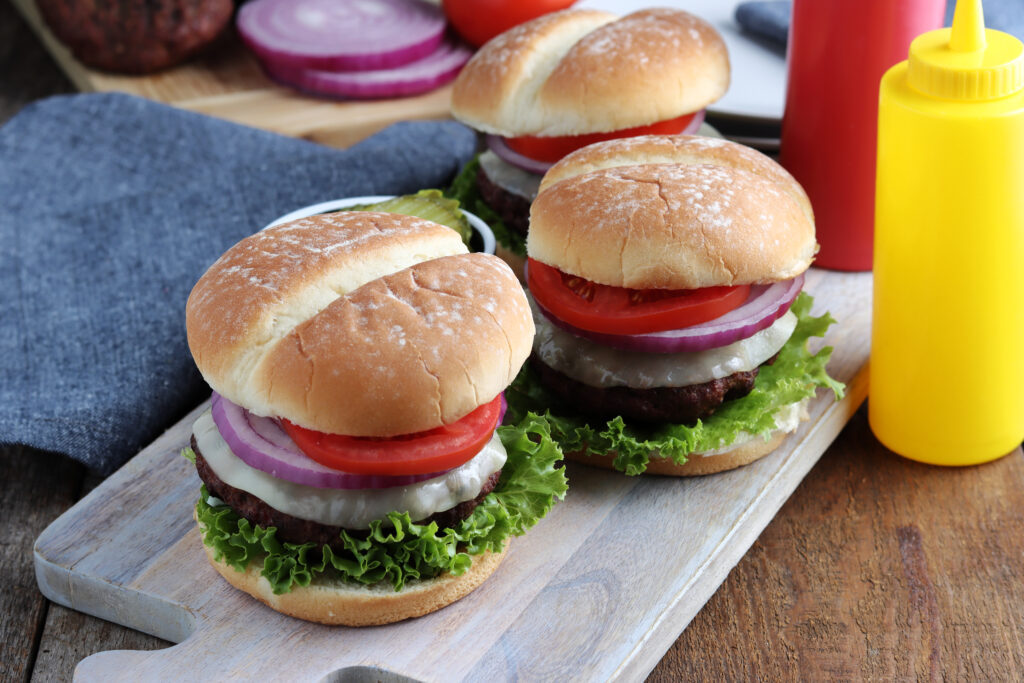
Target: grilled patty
[[513, 209], [679, 405], [295, 530]]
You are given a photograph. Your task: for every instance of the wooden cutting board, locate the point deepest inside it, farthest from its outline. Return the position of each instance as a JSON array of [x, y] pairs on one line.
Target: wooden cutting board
[[228, 83], [598, 590]]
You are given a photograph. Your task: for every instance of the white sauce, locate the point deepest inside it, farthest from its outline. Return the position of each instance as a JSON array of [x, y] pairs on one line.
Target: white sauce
[[597, 365], [353, 509], [508, 177]]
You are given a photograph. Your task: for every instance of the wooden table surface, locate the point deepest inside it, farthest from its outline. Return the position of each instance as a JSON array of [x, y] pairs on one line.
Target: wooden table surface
[[877, 568]]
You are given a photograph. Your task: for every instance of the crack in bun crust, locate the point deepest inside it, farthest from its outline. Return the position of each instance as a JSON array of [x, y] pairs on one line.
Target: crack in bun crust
[[540, 78], [672, 212], [359, 323]]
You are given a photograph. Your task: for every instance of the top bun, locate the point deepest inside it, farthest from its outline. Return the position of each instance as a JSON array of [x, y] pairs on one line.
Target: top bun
[[570, 72], [359, 323], [672, 212]]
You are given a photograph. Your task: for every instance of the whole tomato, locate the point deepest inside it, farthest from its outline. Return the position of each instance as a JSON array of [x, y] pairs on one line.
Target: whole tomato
[[480, 20]]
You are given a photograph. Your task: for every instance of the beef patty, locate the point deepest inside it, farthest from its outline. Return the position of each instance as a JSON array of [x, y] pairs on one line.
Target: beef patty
[[680, 405], [513, 209], [295, 530]]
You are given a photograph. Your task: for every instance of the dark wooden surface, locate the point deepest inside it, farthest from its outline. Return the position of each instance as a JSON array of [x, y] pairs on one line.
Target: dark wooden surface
[[877, 568]]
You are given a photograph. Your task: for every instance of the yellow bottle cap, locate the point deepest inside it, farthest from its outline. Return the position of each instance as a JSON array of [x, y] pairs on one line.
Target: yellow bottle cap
[[967, 61]]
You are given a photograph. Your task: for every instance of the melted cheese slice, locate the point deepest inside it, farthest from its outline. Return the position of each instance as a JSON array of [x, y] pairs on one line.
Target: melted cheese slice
[[352, 509], [601, 366], [510, 178]]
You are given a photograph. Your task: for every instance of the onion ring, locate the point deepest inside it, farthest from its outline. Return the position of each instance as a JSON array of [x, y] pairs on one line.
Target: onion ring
[[350, 35]]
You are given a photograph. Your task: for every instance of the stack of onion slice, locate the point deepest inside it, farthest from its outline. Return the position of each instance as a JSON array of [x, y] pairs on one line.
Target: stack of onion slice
[[353, 48]]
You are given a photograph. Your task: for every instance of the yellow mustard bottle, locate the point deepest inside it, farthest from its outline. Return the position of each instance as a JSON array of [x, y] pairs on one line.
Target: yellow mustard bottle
[[947, 342]]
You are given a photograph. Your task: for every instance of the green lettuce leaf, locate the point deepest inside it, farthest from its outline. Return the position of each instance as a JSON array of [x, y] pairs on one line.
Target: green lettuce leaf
[[795, 375], [402, 551], [464, 188]]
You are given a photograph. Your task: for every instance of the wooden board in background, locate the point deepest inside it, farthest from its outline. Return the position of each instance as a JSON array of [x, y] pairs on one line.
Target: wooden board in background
[[597, 591], [228, 83]]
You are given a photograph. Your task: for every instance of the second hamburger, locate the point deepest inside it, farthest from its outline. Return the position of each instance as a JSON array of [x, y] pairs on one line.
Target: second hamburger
[[568, 79], [352, 473], [666, 274]]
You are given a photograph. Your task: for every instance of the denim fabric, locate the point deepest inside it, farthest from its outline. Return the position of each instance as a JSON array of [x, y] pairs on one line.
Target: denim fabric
[[770, 20], [111, 207]]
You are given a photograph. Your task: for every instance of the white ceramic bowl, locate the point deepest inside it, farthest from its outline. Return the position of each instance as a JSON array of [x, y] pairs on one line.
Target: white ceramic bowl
[[482, 230]]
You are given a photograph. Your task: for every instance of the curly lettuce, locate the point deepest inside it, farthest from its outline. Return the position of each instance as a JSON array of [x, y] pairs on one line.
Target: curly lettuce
[[795, 375], [465, 189], [402, 550]]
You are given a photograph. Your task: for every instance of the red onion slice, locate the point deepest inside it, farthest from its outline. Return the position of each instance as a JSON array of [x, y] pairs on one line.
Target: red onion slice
[[341, 34], [261, 443], [434, 70], [765, 305], [499, 146]]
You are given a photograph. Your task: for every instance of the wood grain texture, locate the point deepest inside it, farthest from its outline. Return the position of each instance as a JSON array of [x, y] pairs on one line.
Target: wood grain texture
[[34, 487], [226, 81], [129, 552], [794, 606], [878, 568], [71, 636]]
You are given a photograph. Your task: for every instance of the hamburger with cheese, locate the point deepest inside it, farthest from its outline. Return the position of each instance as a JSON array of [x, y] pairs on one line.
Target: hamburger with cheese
[[666, 274], [352, 464], [569, 79]]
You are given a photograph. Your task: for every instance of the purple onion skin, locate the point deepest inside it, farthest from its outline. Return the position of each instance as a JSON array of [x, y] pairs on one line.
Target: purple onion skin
[[354, 64], [422, 76], [417, 37], [770, 301]]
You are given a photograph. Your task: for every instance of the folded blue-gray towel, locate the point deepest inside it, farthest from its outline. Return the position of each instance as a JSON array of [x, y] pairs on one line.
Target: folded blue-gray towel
[[112, 207], [770, 20]]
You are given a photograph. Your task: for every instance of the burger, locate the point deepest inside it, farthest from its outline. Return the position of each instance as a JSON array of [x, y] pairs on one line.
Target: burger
[[666, 275], [569, 79], [353, 470]]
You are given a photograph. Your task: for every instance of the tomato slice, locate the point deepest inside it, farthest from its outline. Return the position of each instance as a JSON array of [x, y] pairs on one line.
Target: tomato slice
[[480, 20], [434, 450], [619, 310], [554, 148]]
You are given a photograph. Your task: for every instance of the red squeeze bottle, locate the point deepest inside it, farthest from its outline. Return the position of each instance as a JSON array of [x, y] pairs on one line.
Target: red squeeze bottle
[[837, 53]]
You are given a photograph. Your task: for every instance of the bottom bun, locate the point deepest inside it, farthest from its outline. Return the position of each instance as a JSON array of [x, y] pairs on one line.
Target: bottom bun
[[697, 464], [346, 604]]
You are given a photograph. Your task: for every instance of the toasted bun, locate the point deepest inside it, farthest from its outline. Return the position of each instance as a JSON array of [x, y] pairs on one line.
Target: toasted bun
[[359, 323], [672, 212], [695, 465], [574, 72], [341, 604]]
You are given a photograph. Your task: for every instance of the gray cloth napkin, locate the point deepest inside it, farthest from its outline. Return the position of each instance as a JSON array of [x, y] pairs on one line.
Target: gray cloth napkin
[[111, 207], [770, 20]]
